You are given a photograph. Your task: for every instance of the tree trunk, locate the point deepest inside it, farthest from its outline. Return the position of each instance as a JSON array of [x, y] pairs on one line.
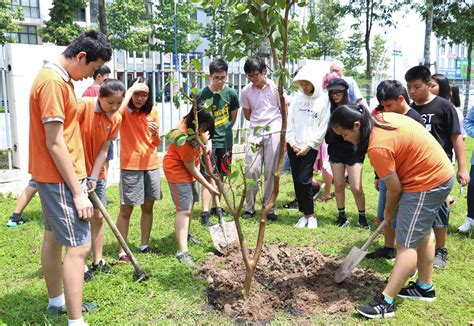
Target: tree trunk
[[428, 29], [368, 70], [102, 20], [468, 78]]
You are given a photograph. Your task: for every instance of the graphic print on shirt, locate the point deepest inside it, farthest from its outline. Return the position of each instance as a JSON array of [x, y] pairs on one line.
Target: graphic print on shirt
[[428, 119]]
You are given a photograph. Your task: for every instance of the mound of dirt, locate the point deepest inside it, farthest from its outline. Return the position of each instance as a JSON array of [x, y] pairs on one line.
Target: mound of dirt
[[298, 281]]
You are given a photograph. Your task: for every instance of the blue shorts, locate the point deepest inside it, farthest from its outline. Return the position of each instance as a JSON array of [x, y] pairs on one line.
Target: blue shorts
[[60, 214], [100, 192], [110, 153]]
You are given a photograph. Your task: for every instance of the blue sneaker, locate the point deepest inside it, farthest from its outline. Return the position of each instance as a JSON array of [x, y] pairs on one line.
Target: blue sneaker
[[15, 220]]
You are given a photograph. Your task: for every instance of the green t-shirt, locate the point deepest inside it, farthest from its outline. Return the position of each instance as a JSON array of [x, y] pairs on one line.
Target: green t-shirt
[[221, 109]]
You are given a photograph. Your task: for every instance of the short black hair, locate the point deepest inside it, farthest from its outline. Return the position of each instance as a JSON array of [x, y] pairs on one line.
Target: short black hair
[[103, 70], [94, 43], [391, 90], [218, 65], [146, 108], [254, 63], [418, 73], [110, 87]]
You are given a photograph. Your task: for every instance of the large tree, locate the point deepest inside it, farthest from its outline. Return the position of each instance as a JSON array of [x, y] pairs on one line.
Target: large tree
[[453, 21], [127, 30], [371, 12], [352, 56], [215, 30], [8, 17], [61, 28], [163, 27]]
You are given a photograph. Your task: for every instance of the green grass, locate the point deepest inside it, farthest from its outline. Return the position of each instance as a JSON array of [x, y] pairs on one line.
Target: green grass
[[173, 296]]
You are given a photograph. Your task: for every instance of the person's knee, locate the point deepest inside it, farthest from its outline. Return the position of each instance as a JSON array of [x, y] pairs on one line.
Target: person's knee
[[79, 251], [126, 211], [339, 186], [357, 191], [97, 219]]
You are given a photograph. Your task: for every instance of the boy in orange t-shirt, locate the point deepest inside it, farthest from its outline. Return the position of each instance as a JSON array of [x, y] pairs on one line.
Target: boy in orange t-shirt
[[57, 164], [180, 166], [100, 123]]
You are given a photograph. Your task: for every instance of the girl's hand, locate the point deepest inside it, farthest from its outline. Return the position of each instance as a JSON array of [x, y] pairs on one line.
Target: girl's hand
[[214, 191], [295, 149], [138, 87], [153, 127], [303, 151]]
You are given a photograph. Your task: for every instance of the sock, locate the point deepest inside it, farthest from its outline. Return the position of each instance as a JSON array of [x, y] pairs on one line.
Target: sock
[[121, 254], [76, 322], [57, 301], [388, 300], [342, 211], [424, 286], [143, 247], [362, 214], [101, 262], [86, 268]]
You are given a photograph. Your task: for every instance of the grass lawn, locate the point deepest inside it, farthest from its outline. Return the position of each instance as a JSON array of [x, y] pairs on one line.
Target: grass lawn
[[174, 296]]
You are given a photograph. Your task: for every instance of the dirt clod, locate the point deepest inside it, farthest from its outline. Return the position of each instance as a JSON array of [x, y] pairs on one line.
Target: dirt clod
[[298, 281]]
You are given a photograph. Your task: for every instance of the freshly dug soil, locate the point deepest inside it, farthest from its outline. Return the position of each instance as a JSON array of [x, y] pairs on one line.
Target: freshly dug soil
[[298, 281]]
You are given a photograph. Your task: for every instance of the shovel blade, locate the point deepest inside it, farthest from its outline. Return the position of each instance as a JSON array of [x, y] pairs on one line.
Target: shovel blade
[[352, 260], [222, 238]]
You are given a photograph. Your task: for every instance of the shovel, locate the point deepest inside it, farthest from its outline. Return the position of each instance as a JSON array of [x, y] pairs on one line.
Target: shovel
[[355, 256], [223, 234], [140, 275]]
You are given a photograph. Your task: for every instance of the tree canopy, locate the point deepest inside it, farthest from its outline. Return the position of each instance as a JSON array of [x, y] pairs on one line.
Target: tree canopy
[[8, 15]]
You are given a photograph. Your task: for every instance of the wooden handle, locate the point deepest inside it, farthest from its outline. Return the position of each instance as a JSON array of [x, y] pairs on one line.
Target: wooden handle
[[374, 235]]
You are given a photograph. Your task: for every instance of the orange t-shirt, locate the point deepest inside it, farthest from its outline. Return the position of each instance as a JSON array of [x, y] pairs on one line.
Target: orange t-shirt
[[137, 143], [173, 162], [96, 129], [52, 98], [409, 151]]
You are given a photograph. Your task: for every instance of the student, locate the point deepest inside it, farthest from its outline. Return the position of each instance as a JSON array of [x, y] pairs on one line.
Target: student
[[416, 189], [394, 98], [224, 110], [307, 124], [57, 164], [261, 106], [100, 75], [180, 166], [139, 163], [354, 93], [468, 224], [343, 158], [25, 197], [100, 123], [441, 121]]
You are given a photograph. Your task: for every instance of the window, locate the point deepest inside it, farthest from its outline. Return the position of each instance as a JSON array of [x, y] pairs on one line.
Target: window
[[30, 7], [80, 15], [94, 6], [27, 35]]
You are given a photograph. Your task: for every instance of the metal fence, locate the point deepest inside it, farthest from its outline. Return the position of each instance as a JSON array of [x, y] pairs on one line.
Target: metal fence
[[5, 128]]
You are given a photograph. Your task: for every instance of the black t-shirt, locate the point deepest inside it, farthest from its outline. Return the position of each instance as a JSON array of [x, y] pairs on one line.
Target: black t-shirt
[[441, 120], [415, 116]]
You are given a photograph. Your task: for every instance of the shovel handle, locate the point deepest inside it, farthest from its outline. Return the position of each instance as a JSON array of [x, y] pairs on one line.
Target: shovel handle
[[96, 201], [374, 235]]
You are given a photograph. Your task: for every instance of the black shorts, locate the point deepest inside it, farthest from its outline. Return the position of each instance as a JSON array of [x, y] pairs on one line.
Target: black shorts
[[347, 159], [221, 160]]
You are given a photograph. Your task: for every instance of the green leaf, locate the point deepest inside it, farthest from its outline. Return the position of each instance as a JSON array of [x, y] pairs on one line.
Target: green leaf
[[170, 134], [176, 101], [209, 102], [251, 184], [264, 7], [256, 130], [196, 64], [194, 90], [180, 139], [234, 174], [190, 131]]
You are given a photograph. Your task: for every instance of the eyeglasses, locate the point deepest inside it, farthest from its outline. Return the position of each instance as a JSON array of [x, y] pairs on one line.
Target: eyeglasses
[[221, 79], [141, 95], [253, 76]]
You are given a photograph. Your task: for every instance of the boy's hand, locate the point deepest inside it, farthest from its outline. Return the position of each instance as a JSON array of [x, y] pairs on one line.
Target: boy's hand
[[303, 151], [91, 185], [214, 191], [463, 177], [83, 206]]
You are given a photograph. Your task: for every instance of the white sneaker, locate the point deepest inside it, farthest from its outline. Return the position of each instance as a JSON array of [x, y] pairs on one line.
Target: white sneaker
[[302, 222], [312, 223], [467, 226]]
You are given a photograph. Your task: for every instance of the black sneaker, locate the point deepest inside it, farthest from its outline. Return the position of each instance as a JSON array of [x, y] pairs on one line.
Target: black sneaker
[[205, 219], [101, 267], [193, 239], [15, 220], [272, 217], [385, 252], [441, 255], [363, 222], [216, 211], [413, 291], [88, 276], [291, 205], [248, 214], [342, 221], [378, 308]]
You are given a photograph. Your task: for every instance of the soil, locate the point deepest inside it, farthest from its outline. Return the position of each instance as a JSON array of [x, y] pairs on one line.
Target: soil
[[294, 280]]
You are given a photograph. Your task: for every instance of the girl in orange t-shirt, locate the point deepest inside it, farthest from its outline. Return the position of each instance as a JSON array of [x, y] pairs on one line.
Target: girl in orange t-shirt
[[181, 169], [139, 163]]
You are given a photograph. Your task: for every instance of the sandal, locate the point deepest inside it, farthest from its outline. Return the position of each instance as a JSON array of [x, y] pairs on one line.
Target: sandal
[[325, 198]]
